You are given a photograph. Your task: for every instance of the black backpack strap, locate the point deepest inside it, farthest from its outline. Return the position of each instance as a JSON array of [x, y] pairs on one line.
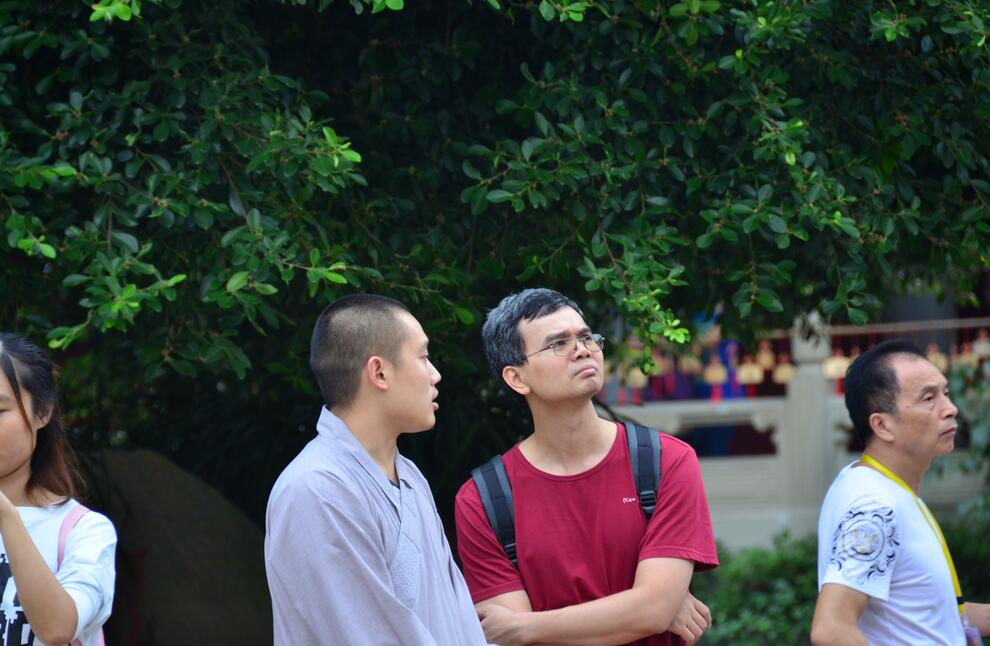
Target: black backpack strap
[[496, 497], [644, 456]]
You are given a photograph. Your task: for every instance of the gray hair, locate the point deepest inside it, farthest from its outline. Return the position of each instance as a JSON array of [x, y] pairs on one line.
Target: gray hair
[[500, 334]]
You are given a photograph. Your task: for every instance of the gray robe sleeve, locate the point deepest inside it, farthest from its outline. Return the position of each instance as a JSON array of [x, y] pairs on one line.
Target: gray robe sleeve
[[328, 570]]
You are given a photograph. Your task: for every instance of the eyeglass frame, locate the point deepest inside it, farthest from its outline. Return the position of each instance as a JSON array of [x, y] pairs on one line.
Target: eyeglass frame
[[594, 337]]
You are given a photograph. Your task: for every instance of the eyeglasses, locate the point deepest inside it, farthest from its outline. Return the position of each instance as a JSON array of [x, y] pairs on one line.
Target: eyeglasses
[[566, 347]]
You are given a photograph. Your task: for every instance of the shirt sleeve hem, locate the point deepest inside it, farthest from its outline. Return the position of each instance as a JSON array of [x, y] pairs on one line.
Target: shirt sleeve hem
[[702, 560], [85, 611], [477, 596], [870, 591]]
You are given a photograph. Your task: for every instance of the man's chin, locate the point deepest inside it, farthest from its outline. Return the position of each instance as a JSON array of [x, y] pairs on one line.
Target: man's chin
[[945, 446], [593, 387], [579, 395], [427, 425]]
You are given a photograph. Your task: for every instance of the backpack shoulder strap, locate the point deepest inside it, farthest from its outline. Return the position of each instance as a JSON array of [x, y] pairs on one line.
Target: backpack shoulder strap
[[496, 497], [644, 456], [68, 523]]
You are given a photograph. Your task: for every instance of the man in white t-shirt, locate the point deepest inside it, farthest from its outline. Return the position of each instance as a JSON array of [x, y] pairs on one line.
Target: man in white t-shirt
[[882, 573]]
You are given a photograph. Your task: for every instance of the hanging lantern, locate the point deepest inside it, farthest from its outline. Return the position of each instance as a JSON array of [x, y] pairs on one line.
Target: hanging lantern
[[937, 357], [967, 358], [635, 378], [835, 366], [784, 370], [981, 346], [765, 356], [715, 373], [749, 372], [688, 364], [663, 364]]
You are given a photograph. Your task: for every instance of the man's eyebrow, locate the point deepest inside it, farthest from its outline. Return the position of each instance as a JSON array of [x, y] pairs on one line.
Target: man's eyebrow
[[6, 398], [566, 334], [932, 388]]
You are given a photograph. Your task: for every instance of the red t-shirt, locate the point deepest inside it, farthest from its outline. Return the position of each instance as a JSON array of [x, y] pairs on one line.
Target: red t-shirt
[[581, 537]]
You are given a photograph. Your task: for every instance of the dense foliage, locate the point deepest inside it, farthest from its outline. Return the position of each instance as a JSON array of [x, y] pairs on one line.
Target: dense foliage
[[184, 184], [762, 596]]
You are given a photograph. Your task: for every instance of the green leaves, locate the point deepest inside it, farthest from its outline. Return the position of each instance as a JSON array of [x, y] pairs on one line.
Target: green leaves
[[757, 170], [705, 240], [334, 277], [109, 9], [125, 241], [237, 281], [695, 157], [464, 315], [498, 195], [62, 169], [205, 151], [573, 11], [893, 25], [380, 5], [693, 7], [769, 300], [547, 10]]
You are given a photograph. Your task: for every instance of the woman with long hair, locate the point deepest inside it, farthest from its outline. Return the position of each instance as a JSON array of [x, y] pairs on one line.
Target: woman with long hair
[[56, 560]]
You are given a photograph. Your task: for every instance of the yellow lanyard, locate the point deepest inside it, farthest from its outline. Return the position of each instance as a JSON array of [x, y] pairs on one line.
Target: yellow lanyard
[[927, 515]]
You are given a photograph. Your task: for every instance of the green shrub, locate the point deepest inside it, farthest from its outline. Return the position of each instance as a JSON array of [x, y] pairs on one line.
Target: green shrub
[[968, 540], [762, 596]]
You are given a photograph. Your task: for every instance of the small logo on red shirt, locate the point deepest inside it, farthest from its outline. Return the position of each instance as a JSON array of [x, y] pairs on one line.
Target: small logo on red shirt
[[633, 499]]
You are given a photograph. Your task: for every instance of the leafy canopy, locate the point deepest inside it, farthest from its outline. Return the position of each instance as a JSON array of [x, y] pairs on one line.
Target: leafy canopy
[[184, 184], [160, 178]]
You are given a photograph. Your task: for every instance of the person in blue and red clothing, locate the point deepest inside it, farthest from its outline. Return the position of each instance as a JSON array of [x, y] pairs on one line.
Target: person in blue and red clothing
[[591, 569]]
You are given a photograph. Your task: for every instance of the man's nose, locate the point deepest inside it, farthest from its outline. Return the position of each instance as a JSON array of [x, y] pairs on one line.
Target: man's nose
[[580, 349], [952, 411]]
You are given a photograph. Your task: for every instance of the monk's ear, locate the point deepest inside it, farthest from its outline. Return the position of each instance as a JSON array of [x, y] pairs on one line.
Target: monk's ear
[[377, 373]]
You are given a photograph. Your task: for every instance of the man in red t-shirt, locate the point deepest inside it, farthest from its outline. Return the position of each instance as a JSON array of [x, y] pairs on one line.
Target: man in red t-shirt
[[591, 569]]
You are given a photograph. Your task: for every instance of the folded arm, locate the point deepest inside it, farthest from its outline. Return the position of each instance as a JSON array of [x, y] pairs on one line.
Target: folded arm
[[647, 608]]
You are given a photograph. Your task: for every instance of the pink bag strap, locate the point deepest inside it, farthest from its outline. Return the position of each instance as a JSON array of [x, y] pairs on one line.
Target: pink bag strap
[[71, 520], [63, 532], [100, 641]]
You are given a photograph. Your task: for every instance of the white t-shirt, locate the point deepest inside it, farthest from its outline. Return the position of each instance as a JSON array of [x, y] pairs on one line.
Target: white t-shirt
[[873, 538], [86, 574]]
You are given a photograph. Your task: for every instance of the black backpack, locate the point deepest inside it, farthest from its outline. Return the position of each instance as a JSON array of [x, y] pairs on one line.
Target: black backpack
[[496, 493]]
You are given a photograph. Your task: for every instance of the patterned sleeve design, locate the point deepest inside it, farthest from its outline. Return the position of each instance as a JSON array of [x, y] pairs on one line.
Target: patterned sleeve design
[[865, 545]]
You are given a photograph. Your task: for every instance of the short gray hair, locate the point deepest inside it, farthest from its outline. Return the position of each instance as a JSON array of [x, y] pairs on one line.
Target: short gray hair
[[500, 334]]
